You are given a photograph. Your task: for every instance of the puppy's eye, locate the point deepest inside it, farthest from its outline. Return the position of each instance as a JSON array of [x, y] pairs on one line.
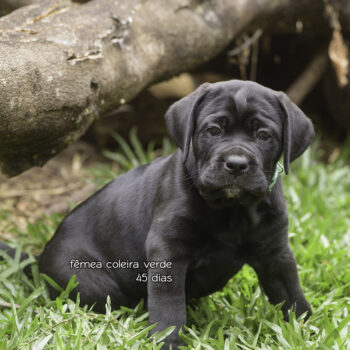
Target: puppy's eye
[[214, 131], [263, 135]]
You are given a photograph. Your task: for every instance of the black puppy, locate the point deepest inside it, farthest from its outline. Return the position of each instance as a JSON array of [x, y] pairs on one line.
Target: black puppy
[[182, 226]]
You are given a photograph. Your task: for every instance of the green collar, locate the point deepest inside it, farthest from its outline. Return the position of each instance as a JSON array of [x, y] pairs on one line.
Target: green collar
[[279, 170]]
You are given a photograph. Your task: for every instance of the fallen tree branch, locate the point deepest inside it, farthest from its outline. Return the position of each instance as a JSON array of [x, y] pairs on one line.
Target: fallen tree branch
[[64, 64], [247, 43], [309, 77]]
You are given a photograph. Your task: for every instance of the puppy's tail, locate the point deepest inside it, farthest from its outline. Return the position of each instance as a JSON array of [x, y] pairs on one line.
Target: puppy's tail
[[12, 252]]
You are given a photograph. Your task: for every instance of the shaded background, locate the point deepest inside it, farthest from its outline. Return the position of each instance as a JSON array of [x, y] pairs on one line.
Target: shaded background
[[308, 59]]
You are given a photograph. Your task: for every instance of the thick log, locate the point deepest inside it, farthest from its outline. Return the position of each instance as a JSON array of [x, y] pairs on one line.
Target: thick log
[[64, 64]]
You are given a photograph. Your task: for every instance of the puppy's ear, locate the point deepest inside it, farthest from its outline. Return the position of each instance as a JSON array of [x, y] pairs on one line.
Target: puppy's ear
[[181, 118], [298, 130]]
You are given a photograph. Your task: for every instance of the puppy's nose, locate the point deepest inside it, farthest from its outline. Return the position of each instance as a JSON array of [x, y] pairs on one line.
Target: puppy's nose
[[236, 164]]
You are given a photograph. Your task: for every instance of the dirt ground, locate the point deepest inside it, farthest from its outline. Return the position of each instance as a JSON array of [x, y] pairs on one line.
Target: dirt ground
[[65, 179], [50, 189]]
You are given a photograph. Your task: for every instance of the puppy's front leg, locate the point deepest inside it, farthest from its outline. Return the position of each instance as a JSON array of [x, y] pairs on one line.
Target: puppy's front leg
[[166, 286], [278, 276]]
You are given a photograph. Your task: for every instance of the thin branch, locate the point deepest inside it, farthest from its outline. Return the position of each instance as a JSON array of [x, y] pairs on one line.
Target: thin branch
[[306, 81], [5, 305], [249, 42]]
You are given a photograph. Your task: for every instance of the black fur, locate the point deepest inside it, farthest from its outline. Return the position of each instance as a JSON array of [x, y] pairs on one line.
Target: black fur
[[206, 209]]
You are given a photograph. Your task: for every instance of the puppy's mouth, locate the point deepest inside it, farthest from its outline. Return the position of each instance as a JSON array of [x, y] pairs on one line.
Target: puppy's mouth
[[214, 193], [232, 192], [252, 185]]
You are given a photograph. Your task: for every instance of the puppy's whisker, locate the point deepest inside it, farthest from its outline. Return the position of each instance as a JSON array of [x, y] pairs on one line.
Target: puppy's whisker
[[191, 176]]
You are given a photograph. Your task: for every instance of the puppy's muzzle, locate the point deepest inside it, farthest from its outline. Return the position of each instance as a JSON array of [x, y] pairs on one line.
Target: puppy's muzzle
[[236, 164]]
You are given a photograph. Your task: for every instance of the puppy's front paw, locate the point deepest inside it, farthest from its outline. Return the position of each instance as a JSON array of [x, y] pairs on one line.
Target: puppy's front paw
[[302, 307], [172, 345], [299, 307]]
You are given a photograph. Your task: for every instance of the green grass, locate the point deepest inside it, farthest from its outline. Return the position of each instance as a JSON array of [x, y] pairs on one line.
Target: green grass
[[239, 316]]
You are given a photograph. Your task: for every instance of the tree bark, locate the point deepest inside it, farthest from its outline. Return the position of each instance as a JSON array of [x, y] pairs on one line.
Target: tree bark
[[65, 64], [7, 6]]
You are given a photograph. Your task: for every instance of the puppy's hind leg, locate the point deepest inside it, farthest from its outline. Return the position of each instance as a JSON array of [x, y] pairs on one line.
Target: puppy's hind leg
[[94, 285], [12, 252]]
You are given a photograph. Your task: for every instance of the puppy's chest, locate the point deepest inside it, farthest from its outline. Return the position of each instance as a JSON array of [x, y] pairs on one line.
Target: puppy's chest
[[229, 242], [223, 250], [213, 254]]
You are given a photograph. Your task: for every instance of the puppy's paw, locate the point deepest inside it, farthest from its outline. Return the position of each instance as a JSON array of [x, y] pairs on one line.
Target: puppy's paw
[[299, 307], [302, 307], [173, 345]]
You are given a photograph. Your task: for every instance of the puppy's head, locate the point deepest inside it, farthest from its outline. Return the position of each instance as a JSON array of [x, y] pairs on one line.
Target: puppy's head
[[234, 133]]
